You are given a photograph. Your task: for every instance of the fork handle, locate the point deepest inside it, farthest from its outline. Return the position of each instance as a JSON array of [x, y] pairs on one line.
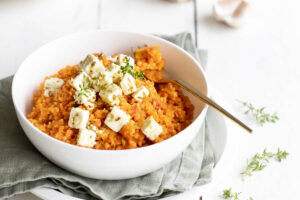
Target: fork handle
[[211, 103]]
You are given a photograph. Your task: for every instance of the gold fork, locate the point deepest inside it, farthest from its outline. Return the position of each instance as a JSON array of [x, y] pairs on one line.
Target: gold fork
[[200, 96]]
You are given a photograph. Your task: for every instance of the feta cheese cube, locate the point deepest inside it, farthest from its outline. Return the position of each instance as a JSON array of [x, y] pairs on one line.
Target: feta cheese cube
[[86, 97], [81, 79], [116, 72], [104, 78], [86, 138], [112, 59], [128, 84], [141, 93], [122, 60], [92, 66], [116, 119], [78, 118], [110, 94], [52, 85], [151, 128]]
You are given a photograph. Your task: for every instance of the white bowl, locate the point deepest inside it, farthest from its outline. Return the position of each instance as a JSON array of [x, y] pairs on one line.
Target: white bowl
[[104, 164]]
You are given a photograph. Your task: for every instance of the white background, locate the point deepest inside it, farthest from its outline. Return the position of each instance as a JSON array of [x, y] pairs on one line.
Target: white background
[[259, 63]]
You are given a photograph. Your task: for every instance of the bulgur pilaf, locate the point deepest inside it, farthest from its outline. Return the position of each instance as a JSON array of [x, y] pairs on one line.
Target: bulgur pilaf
[[107, 103]]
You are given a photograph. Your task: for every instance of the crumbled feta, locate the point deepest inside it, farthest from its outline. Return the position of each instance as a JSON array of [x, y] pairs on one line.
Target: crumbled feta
[[86, 97], [112, 59], [110, 94], [151, 128], [128, 84], [122, 60], [116, 119], [104, 78], [92, 127], [52, 85], [86, 138], [81, 79], [116, 72], [78, 118], [92, 66], [141, 93]]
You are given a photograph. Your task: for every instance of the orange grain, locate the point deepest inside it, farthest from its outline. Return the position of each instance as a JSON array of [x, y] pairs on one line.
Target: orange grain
[[166, 103]]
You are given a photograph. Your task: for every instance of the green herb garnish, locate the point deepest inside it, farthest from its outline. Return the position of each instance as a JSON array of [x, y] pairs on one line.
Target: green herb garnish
[[83, 89], [129, 69], [140, 75], [260, 115], [260, 161], [228, 194], [127, 60]]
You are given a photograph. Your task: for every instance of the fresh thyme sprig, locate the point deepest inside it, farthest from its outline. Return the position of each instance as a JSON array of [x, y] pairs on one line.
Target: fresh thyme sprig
[[83, 89], [129, 69], [228, 194], [280, 155], [260, 115], [260, 161]]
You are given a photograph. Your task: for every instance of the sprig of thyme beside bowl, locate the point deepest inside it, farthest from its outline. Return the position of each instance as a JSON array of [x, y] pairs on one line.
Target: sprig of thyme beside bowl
[[259, 114], [260, 161], [229, 195]]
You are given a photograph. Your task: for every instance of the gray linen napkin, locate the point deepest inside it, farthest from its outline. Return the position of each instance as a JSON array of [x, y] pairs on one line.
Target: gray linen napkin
[[23, 168]]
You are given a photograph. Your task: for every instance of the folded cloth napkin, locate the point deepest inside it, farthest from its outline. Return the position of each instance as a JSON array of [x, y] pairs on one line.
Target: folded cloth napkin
[[23, 168]]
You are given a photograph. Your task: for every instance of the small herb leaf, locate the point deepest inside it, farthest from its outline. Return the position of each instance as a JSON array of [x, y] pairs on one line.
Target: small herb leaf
[[129, 69], [228, 194], [84, 89]]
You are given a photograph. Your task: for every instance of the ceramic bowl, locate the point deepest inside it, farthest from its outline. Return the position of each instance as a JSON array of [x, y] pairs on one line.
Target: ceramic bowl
[[104, 164]]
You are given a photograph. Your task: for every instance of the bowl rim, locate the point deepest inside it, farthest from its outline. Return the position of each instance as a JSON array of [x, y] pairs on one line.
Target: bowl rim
[[75, 147]]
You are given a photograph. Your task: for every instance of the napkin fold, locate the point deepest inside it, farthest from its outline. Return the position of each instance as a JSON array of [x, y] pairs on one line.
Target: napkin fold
[[23, 168]]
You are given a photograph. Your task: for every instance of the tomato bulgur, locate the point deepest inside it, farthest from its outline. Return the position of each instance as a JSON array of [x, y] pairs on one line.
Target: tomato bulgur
[[166, 103]]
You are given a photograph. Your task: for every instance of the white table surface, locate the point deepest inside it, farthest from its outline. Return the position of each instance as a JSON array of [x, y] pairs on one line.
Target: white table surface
[[258, 62]]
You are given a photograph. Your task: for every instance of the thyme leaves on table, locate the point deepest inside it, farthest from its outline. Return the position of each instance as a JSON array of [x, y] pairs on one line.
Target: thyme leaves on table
[[229, 195], [260, 161], [259, 114]]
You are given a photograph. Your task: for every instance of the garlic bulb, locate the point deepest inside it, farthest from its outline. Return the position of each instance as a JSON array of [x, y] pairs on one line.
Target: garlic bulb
[[230, 12], [179, 1]]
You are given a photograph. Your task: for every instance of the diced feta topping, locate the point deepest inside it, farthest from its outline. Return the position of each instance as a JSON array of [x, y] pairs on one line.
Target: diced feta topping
[[81, 79], [52, 85], [128, 84], [110, 94], [104, 78], [122, 60], [116, 119], [78, 118], [116, 72], [86, 97], [112, 59], [86, 138], [92, 66], [141, 93], [151, 128]]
